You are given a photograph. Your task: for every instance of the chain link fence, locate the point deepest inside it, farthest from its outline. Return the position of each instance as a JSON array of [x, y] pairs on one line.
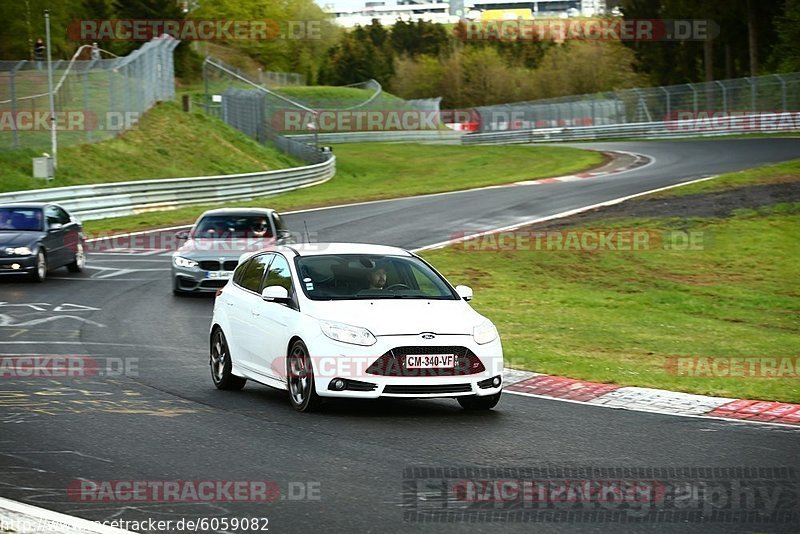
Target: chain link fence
[[293, 118], [763, 94], [94, 98]]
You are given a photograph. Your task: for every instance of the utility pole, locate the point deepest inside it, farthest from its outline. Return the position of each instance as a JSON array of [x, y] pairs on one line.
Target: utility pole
[[53, 140]]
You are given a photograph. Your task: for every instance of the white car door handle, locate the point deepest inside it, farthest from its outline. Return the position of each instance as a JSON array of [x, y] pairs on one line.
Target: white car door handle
[[255, 313]]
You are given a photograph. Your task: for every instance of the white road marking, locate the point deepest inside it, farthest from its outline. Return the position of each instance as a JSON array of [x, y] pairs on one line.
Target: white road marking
[[560, 215], [661, 412], [7, 320]]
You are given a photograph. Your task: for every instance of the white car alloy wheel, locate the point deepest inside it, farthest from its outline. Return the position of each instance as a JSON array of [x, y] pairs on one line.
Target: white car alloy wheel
[[220, 362], [300, 378]]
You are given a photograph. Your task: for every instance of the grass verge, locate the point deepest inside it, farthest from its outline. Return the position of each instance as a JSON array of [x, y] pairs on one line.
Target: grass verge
[[165, 143], [618, 317], [374, 171]]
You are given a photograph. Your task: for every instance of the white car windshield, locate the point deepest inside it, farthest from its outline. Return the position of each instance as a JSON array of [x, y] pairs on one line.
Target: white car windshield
[[369, 276]]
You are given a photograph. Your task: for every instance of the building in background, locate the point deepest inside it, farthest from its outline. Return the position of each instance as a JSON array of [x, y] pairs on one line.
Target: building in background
[[387, 12]]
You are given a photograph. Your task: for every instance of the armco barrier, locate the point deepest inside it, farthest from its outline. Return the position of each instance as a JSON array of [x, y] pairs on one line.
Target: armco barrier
[[127, 198], [405, 136], [742, 124]]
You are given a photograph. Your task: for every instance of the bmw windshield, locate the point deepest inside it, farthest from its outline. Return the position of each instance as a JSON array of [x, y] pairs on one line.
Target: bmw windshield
[[233, 226], [369, 276], [21, 219]]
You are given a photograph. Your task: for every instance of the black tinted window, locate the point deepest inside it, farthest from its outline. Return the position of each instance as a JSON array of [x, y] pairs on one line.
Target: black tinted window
[[369, 276], [279, 274], [233, 226], [21, 219], [278, 222], [56, 215], [240, 270], [251, 279]]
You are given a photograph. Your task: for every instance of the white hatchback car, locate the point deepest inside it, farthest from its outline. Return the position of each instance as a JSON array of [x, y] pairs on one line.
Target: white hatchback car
[[352, 320]]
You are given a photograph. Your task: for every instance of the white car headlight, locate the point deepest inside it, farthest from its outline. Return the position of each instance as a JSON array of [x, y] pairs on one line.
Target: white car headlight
[[18, 251], [484, 333], [347, 333], [180, 261]]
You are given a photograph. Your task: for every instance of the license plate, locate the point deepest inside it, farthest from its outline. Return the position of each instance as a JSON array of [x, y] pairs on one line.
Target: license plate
[[217, 275], [430, 361]]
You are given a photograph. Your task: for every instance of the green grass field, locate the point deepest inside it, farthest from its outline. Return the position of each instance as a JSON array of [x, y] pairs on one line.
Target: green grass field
[[401, 170], [164, 144], [619, 317], [330, 97]]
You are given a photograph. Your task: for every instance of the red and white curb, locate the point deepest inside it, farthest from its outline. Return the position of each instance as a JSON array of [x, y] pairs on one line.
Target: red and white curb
[[639, 160], [648, 399], [20, 518]]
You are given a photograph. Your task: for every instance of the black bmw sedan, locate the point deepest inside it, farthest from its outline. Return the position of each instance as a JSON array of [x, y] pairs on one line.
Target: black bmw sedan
[[38, 237]]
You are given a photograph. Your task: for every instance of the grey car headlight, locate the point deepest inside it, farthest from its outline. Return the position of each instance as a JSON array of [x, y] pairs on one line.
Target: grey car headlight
[[186, 263], [484, 333], [347, 333], [18, 251]]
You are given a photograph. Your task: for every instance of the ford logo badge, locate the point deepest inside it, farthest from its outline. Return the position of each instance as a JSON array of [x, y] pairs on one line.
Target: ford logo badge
[[428, 336]]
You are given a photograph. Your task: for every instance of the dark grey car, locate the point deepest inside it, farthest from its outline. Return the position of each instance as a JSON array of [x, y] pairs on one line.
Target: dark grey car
[[212, 248], [38, 237]]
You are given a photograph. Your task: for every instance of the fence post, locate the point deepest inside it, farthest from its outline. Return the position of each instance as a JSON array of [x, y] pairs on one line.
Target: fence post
[[205, 86], [13, 87], [752, 94], [668, 99], [126, 89], [111, 93], [724, 91], [85, 78], [694, 98], [783, 91]]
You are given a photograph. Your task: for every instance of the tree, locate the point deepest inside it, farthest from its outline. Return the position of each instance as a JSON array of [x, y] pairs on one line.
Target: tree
[[362, 54], [786, 55], [187, 62]]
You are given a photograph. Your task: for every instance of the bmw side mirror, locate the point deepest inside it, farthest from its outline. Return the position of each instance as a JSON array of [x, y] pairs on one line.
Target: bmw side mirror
[[182, 235], [275, 294], [285, 236], [465, 292], [55, 226]]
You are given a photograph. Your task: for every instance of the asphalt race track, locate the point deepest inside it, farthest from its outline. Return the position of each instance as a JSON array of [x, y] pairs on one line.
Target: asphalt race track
[[152, 413]]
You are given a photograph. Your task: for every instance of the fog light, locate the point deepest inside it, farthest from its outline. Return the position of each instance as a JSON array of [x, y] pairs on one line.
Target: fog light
[[338, 384], [16, 266], [496, 381]]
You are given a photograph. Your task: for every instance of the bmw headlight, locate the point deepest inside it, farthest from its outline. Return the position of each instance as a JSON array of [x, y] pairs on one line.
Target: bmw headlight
[[18, 251], [484, 333], [180, 261], [347, 333]]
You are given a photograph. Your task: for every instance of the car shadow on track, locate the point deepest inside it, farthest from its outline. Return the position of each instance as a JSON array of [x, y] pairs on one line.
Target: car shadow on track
[[277, 402]]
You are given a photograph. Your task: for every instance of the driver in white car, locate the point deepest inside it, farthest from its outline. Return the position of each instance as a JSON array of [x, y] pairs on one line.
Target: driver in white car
[[377, 278]]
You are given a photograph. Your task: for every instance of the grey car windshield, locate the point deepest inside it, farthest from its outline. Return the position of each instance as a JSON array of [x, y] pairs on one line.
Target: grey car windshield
[[25, 219], [368, 276], [231, 226]]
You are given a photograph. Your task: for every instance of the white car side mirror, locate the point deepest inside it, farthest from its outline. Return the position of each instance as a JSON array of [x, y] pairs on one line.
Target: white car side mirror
[[465, 292], [275, 294]]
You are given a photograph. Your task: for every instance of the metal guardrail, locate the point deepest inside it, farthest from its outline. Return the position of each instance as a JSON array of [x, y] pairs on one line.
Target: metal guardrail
[[756, 123], [99, 201], [414, 136]]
